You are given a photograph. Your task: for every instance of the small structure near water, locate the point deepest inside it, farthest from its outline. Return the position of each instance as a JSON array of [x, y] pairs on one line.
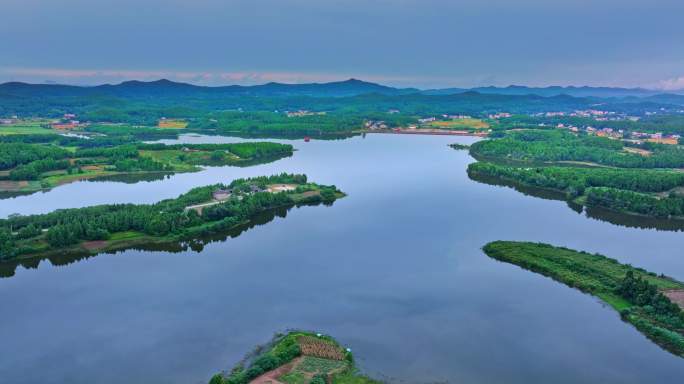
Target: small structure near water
[[222, 194]]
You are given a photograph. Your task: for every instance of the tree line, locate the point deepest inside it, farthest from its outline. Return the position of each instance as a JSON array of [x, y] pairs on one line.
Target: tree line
[[555, 146]]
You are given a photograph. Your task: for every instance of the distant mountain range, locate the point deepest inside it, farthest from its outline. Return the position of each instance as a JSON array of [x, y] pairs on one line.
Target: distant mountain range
[[134, 88], [603, 92], [351, 87]]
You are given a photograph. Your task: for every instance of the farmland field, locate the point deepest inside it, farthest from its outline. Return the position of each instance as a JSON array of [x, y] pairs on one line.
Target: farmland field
[[460, 124], [172, 124], [25, 128]]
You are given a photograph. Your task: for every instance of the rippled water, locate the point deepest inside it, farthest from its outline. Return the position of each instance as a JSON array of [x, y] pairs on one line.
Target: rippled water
[[394, 270]]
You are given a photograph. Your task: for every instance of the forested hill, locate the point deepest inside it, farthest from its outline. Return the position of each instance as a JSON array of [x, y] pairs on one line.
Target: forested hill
[[185, 101], [169, 88], [350, 87], [600, 92], [139, 102]]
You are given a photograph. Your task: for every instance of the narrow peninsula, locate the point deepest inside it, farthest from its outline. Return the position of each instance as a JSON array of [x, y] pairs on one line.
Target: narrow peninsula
[[200, 212], [652, 303]]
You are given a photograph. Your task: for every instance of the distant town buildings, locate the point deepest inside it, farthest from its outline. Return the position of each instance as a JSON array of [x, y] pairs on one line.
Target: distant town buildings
[[375, 125], [302, 112], [611, 133], [73, 124], [500, 115], [427, 120]]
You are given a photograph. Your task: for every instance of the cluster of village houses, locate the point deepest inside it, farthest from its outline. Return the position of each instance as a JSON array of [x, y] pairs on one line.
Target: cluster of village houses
[[302, 112], [374, 125], [599, 115], [68, 121], [225, 194], [444, 116], [500, 115], [620, 134]]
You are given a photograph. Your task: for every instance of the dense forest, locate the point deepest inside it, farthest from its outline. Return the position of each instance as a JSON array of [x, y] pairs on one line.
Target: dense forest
[[634, 202], [632, 184], [575, 180], [634, 292], [35, 234], [14, 154], [40, 161], [557, 145]]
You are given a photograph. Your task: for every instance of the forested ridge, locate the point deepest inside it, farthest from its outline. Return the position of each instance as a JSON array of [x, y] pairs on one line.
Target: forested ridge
[[557, 145], [626, 182]]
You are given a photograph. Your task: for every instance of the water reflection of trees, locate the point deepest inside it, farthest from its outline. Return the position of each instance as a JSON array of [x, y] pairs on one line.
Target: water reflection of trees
[[601, 214], [136, 177], [8, 269]]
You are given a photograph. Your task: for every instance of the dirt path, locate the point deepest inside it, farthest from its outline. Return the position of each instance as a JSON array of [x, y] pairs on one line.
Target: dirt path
[[199, 207], [271, 377]]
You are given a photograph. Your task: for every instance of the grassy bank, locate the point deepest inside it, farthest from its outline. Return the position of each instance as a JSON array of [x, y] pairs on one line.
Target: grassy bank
[[298, 357], [635, 293]]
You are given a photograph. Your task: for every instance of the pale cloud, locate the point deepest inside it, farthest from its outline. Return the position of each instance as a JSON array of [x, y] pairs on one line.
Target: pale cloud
[[674, 84]]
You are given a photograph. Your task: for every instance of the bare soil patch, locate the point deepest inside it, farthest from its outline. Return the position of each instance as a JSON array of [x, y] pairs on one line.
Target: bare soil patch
[[310, 193], [638, 151], [281, 187], [8, 185], [95, 244], [677, 296]]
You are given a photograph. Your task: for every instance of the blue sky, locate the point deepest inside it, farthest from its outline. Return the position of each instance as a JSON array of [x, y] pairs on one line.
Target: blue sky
[[426, 43]]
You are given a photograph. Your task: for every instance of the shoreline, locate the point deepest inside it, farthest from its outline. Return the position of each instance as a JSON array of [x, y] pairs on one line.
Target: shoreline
[[424, 131]]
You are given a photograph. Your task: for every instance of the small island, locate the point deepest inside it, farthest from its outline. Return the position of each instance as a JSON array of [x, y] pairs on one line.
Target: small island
[[652, 303], [297, 357], [200, 212], [27, 168]]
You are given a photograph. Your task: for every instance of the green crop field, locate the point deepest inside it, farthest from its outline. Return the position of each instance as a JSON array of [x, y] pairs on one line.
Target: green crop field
[[24, 128]]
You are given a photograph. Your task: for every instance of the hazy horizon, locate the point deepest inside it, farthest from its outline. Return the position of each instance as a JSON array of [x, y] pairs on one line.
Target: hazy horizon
[[402, 43], [152, 80]]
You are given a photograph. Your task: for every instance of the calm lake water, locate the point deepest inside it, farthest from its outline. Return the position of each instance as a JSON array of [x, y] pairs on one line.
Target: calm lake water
[[394, 271]]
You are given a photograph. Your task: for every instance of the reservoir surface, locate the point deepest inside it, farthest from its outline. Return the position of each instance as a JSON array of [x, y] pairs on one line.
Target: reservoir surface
[[394, 271]]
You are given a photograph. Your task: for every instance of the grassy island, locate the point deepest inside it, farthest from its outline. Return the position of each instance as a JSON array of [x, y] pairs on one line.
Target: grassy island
[[643, 298], [201, 211], [29, 167], [587, 170], [297, 357]]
